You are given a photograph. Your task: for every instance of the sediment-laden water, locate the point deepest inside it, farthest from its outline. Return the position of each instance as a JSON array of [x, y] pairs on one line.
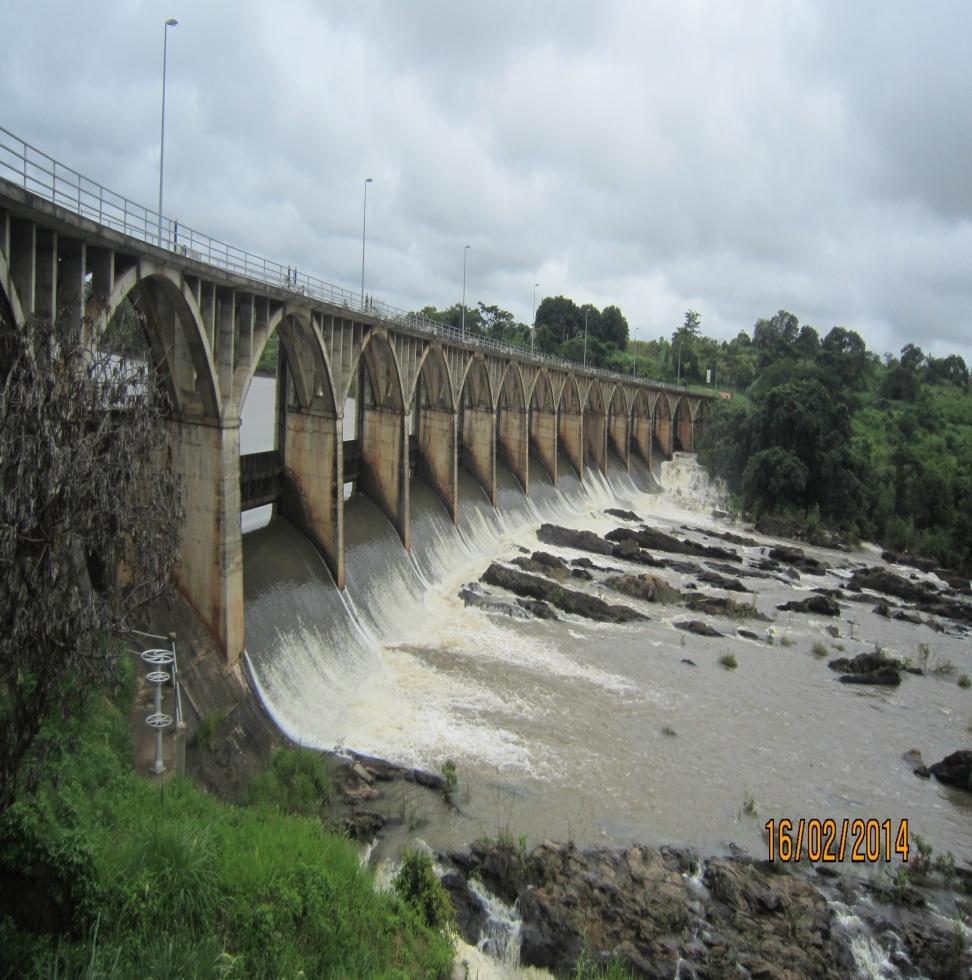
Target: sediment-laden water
[[598, 733]]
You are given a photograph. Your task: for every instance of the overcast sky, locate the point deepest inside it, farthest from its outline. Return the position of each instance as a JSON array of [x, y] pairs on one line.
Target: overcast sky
[[731, 157]]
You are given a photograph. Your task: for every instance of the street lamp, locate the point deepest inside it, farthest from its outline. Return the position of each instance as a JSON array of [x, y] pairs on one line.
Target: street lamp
[[171, 22], [364, 224], [585, 336], [634, 353], [533, 328], [465, 252]]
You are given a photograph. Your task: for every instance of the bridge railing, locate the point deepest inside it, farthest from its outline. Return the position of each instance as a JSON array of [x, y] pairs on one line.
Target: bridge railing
[[40, 174]]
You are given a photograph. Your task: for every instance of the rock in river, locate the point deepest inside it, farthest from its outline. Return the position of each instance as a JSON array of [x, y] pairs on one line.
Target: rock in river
[[697, 627], [651, 588], [868, 668], [579, 603], [566, 537], [955, 770], [822, 605]]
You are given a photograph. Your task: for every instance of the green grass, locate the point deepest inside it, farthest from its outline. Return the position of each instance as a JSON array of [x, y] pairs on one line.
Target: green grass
[[819, 649], [728, 661], [786, 641], [964, 681], [104, 861]]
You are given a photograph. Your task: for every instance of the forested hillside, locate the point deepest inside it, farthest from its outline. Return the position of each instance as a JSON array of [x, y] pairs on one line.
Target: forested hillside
[[828, 433]]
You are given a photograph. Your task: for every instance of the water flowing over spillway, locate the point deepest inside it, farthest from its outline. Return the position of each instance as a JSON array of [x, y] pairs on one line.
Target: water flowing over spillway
[[587, 731]]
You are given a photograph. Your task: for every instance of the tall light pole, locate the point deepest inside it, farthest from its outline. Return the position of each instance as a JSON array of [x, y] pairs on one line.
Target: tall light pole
[[364, 225], [171, 22], [465, 252], [533, 328], [634, 354], [678, 374], [585, 336]]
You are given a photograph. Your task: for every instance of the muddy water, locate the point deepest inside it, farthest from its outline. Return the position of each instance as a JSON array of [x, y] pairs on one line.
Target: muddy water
[[563, 729]]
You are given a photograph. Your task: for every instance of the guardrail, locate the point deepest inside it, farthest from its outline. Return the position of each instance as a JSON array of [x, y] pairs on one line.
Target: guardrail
[[40, 174]]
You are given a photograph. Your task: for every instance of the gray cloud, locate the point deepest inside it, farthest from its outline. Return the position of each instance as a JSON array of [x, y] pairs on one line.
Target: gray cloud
[[734, 158]]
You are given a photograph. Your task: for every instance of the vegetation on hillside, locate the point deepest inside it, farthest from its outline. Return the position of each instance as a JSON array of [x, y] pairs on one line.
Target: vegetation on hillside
[[106, 874], [823, 430], [88, 511]]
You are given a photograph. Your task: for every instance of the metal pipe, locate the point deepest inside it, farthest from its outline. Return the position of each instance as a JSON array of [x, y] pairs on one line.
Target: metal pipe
[[364, 225], [171, 22], [465, 252]]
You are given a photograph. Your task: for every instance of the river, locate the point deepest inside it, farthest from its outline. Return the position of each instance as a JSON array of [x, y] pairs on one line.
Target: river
[[592, 732]]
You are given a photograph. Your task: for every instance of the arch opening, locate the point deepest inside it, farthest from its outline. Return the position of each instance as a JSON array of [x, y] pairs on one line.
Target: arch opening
[[542, 425], [595, 428], [434, 421]]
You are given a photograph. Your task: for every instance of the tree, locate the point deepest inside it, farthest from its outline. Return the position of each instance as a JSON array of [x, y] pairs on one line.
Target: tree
[[614, 327], [88, 520]]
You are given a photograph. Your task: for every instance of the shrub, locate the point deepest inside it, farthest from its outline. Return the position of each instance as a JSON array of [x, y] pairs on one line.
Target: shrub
[[728, 661], [418, 886], [297, 781], [819, 649]]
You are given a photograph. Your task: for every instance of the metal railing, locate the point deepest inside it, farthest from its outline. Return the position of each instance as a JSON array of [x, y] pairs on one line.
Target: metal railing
[[40, 174]]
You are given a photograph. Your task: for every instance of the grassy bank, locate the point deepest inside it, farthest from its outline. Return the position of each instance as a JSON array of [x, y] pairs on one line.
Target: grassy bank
[[105, 874]]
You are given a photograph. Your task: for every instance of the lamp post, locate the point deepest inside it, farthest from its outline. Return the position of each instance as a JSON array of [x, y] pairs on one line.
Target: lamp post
[[533, 328], [634, 353], [465, 252], [364, 225], [678, 373], [171, 22], [586, 312]]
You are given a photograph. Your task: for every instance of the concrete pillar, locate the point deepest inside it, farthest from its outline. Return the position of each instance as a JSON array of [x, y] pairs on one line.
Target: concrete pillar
[[209, 571], [618, 434], [383, 474], [312, 447], [70, 286], [513, 439], [23, 263], [45, 275], [641, 436], [595, 439], [571, 437], [439, 455], [479, 447], [543, 439]]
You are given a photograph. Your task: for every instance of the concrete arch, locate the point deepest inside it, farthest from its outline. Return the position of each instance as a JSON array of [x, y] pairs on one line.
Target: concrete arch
[[307, 364], [176, 335], [595, 427], [570, 424], [383, 471], [682, 424], [435, 426], [619, 424], [641, 426], [542, 424], [477, 425], [513, 425], [662, 427], [476, 389], [541, 395]]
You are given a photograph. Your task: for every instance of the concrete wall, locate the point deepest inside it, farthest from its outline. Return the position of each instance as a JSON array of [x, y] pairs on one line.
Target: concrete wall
[[313, 497], [571, 437], [479, 447], [438, 456], [595, 439], [641, 436], [664, 433], [384, 465], [209, 572], [543, 440], [513, 441], [683, 430], [618, 435]]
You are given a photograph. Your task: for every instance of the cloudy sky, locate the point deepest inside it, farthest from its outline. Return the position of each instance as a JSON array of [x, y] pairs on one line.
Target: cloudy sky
[[731, 157]]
